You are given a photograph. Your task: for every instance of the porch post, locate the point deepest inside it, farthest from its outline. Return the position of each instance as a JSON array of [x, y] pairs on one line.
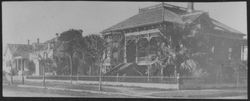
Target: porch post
[[22, 67], [17, 60], [136, 40], [125, 49], [11, 73]]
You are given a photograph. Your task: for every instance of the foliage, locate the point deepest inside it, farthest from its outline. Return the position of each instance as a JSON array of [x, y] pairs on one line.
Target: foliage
[[70, 45], [184, 48], [94, 50], [83, 52], [70, 41], [31, 67]]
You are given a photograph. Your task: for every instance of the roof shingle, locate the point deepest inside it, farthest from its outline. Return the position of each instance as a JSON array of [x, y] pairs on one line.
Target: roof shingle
[[150, 16], [170, 13], [20, 49]]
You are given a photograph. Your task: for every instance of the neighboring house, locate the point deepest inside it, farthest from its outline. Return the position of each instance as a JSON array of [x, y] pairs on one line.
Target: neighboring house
[[42, 51], [137, 38], [244, 52], [16, 57]]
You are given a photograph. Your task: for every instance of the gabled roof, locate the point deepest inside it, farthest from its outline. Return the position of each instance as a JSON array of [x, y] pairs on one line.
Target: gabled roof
[[40, 46], [22, 50], [225, 27], [192, 16]]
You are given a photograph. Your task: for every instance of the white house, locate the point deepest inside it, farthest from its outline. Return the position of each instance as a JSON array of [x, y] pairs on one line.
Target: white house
[[16, 57]]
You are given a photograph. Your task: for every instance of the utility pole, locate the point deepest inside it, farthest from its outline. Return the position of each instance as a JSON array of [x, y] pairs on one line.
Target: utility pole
[[71, 73], [44, 76], [44, 62], [11, 74], [22, 66]]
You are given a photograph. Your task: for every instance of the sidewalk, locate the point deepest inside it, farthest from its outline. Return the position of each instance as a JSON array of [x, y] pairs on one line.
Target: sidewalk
[[141, 92], [127, 84], [116, 89], [76, 87]]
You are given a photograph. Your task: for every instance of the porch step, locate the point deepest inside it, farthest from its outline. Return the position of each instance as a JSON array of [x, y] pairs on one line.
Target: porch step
[[125, 66], [114, 69], [119, 67]]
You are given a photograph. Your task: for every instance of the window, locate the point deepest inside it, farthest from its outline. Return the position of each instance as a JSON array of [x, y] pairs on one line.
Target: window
[[230, 53], [244, 53], [115, 54], [212, 49]]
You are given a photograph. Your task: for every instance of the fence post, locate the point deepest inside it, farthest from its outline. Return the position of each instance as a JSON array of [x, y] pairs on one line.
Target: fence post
[[148, 73], [178, 83], [77, 75], [237, 80], [100, 78], [11, 79], [117, 77], [162, 74], [44, 84]]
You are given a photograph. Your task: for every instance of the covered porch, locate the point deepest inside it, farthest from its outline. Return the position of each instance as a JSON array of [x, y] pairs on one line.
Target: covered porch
[[19, 64], [142, 47]]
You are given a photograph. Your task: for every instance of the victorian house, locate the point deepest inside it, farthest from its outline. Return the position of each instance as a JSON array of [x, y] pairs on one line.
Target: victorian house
[[136, 41]]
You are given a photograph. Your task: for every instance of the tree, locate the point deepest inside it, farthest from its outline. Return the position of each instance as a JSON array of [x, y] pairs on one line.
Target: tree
[[182, 48], [70, 45], [95, 49], [31, 67]]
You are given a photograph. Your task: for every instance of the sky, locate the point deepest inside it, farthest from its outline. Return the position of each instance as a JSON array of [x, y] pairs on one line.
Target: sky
[[43, 19]]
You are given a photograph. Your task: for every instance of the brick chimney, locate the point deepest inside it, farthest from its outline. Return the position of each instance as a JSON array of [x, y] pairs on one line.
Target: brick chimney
[[37, 40], [57, 36], [190, 7]]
